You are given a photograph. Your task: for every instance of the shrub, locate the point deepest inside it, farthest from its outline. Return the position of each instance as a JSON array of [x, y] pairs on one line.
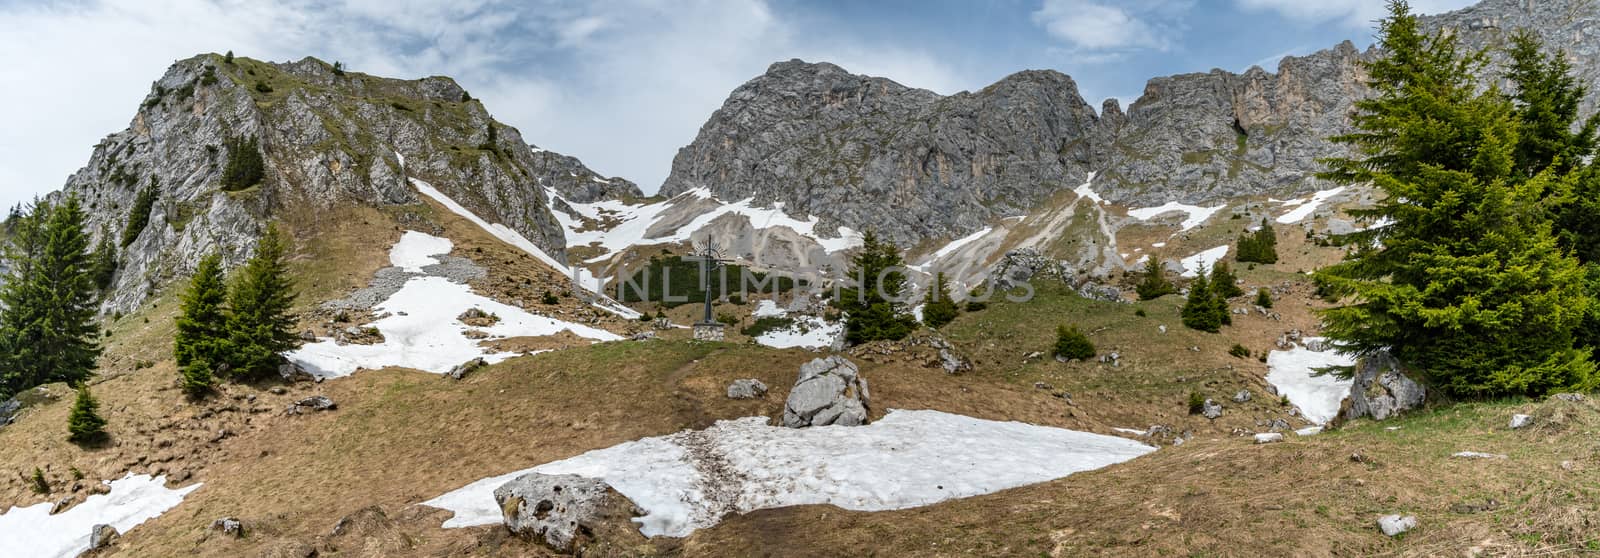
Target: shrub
[[1263, 298], [338, 68], [40, 485], [263, 87], [1239, 351], [227, 58], [1197, 403], [1155, 284], [1139, 312], [1072, 344], [940, 309], [549, 298], [1224, 283]]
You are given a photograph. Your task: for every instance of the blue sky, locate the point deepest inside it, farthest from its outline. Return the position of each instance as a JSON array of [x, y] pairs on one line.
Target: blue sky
[[620, 84]]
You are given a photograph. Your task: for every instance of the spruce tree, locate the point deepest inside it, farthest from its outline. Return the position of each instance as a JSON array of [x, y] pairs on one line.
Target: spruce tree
[[260, 326], [103, 264], [871, 304], [1072, 344], [1263, 298], [139, 214], [1468, 284], [1199, 310], [940, 308], [245, 167], [48, 327], [1260, 246], [1155, 284], [84, 425], [1224, 283], [201, 342]]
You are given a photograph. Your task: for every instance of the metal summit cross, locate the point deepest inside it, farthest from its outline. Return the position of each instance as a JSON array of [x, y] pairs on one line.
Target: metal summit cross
[[711, 259]]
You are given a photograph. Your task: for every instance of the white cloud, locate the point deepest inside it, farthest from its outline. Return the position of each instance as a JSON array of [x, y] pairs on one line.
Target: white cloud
[[1352, 13], [621, 85], [1101, 29]]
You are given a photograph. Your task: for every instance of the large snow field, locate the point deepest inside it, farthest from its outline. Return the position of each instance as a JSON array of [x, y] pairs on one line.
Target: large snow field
[[420, 326], [31, 532], [1293, 372], [907, 459]]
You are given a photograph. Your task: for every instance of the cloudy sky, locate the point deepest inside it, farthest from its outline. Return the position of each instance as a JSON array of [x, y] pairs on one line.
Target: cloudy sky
[[621, 84]]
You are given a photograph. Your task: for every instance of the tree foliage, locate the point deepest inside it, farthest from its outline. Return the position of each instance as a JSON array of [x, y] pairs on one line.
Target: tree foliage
[[872, 306], [245, 166], [260, 326], [1224, 283], [103, 263], [84, 424], [1204, 310], [47, 331], [1072, 344], [940, 309], [1260, 246], [201, 342], [139, 214], [1468, 283], [1154, 285]]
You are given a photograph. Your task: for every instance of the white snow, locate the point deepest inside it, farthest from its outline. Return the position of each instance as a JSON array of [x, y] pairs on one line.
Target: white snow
[[768, 309], [1293, 373], [1133, 431], [420, 328], [508, 235], [1158, 244], [907, 459], [1307, 206], [31, 532], [951, 248], [1309, 431], [1204, 260], [635, 221], [1084, 191], [808, 332], [417, 250], [1195, 215]]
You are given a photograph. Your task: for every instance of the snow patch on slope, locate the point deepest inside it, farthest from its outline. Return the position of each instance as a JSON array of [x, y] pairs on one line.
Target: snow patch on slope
[[1085, 191], [1293, 372], [1203, 261], [907, 459], [29, 532], [416, 250], [419, 324], [1305, 207], [1195, 215]]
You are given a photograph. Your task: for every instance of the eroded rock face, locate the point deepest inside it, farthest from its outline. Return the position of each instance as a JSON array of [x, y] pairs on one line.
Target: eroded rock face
[[566, 512], [327, 140], [829, 391], [1381, 390]]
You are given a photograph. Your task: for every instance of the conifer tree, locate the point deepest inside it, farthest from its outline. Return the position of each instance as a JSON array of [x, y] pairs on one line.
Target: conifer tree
[[48, 329], [103, 264], [139, 214], [1155, 284], [1199, 310], [1263, 298], [245, 167], [1260, 246], [871, 304], [201, 342], [1224, 283], [1072, 344], [260, 326], [84, 425], [1468, 284], [940, 308]]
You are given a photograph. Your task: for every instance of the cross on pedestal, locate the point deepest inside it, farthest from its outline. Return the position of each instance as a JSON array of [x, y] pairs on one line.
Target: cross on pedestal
[[711, 259]]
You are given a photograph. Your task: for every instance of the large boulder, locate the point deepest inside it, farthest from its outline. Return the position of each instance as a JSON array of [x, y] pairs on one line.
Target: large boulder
[[567, 512], [829, 391], [101, 536], [1381, 390]]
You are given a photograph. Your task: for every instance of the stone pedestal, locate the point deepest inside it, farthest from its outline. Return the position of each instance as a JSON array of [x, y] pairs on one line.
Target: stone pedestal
[[708, 331]]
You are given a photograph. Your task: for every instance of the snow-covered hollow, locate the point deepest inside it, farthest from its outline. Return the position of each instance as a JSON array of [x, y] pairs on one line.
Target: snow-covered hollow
[[1307, 206], [907, 459], [420, 326], [1194, 215], [1294, 373], [1193, 265], [31, 532]]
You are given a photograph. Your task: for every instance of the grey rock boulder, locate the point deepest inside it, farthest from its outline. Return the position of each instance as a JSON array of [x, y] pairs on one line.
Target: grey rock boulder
[[566, 512], [311, 404], [102, 535], [460, 371], [747, 388], [1242, 397], [1521, 421], [1211, 409], [1381, 390], [228, 526], [828, 391]]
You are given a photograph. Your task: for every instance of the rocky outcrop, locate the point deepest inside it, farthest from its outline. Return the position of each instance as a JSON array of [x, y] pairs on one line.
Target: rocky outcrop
[[1381, 390], [829, 391], [567, 512], [866, 152], [328, 139], [575, 182]]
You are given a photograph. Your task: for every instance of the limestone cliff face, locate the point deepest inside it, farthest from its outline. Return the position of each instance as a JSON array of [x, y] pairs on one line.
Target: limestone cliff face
[[867, 152], [328, 138]]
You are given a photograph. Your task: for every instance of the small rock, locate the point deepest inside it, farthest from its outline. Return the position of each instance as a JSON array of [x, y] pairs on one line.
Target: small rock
[[101, 536], [1395, 524], [1163, 329], [1211, 409], [1268, 437], [308, 336], [1570, 397], [1520, 421], [644, 336], [1241, 397], [1477, 455], [748, 388], [1032, 356], [63, 504], [460, 371], [291, 372], [313, 403], [228, 526], [278, 390]]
